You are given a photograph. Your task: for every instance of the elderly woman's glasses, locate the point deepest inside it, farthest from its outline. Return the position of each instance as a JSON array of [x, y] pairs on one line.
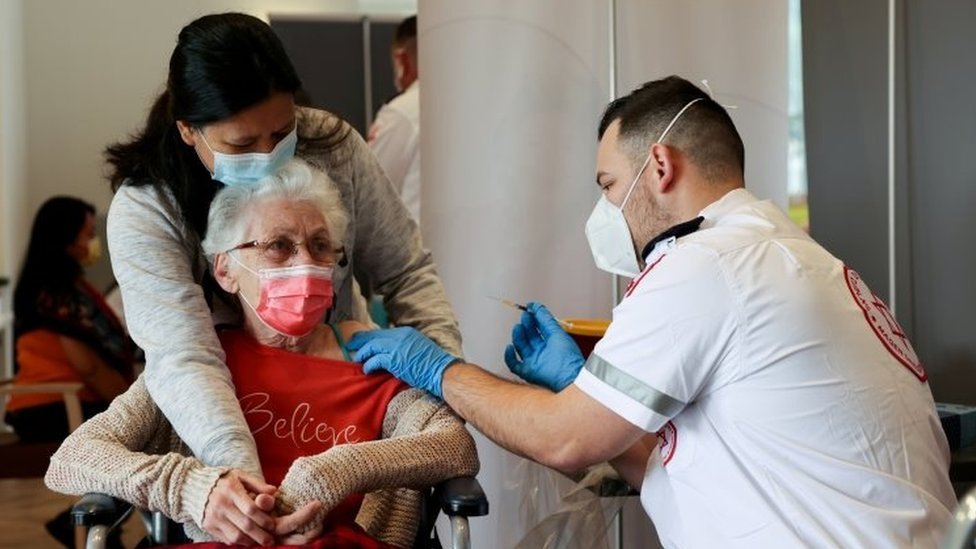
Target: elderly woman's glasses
[[279, 249]]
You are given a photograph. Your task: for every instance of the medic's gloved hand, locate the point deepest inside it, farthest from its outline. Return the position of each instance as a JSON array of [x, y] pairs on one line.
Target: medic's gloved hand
[[405, 353], [541, 352]]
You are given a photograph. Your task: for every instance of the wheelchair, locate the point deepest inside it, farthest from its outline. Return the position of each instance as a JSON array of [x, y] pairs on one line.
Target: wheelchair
[[458, 498], [962, 527]]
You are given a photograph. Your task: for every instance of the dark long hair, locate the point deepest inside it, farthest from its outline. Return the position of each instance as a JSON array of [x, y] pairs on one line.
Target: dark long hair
[[48, 267], [222, 65]]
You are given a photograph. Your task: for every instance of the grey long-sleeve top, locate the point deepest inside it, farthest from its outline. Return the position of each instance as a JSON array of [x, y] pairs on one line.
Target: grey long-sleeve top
[[159, 265]]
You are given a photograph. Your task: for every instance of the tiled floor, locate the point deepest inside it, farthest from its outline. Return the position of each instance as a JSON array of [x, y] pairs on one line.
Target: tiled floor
[[26, 504]]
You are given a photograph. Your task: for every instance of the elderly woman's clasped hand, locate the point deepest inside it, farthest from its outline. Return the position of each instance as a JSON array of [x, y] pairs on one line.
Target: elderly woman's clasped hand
[[241, 511]]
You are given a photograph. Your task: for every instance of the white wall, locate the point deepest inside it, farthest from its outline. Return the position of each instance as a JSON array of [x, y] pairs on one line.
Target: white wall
[[12, 163], [740, 47], [13, 132]]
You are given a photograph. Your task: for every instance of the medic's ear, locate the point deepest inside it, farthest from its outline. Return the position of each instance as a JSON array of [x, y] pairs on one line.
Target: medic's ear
[[187, 133], [223, 275], [662, 162]]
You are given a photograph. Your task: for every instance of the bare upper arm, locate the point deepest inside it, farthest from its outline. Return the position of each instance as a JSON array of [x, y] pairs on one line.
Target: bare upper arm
[[567, 431], [590, 433]]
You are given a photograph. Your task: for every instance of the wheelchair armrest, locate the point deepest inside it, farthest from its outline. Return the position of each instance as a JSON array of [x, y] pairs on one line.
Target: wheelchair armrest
[[461, 496], [98, 509]]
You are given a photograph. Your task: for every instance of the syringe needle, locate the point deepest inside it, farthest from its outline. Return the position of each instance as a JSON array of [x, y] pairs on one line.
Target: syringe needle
[[515, 305]]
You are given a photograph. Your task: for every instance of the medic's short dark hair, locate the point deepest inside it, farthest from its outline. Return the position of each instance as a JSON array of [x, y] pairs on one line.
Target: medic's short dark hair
[[705, 132]]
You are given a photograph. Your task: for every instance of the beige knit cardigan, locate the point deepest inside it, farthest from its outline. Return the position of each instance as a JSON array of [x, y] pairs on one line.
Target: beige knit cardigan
[[131, 452]]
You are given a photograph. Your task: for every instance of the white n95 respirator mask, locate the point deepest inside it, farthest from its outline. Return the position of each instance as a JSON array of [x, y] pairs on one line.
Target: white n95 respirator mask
[[607, 231], [609, 236]]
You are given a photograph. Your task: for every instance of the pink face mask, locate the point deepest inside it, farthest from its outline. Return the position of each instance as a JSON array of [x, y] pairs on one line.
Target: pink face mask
[[293, 299]]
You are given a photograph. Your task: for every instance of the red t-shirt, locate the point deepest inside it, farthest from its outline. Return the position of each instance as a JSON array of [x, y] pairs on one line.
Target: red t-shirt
[[297, 405]]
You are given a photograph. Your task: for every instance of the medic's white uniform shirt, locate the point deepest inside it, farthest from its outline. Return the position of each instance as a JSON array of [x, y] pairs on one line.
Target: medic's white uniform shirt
[[791, 409], [394, 138]]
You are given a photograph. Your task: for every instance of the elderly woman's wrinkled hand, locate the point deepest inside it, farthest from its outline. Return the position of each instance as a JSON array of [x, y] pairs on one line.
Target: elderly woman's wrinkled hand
[[293, 528], [405, 353], [238, 510]]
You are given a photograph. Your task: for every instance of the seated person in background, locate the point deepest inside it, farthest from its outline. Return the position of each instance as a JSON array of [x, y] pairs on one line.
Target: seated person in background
[[64, 330], [113, 298], [340, 448]]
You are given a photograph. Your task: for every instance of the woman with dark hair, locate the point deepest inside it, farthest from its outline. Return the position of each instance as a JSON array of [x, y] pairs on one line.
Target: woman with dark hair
[[228, 117], [64, 329]]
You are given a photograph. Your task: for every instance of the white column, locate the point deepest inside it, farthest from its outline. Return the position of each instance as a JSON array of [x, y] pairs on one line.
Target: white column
[[13, 134], [511, 98], [13, 166]]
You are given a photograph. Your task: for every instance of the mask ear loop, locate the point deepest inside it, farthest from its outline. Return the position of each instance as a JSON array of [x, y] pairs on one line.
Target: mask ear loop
[[205, 141], [633, 184], [659, 139], [239, 292], [676, 117]]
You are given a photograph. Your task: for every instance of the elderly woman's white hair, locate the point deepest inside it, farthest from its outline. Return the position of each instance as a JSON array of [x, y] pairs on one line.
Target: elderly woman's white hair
[[296, 181]]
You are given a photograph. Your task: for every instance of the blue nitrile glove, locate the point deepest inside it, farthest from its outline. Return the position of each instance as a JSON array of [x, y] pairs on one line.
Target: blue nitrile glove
[[541, 352], [405, 353]]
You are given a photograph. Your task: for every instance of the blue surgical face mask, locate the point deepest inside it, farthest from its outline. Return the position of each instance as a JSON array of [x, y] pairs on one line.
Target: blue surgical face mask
[[249, 168]]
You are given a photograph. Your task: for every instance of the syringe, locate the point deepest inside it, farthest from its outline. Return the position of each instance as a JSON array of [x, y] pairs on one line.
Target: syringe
[[515, 305]]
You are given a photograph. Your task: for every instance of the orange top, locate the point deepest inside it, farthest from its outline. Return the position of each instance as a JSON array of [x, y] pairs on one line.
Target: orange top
[[42, 360]]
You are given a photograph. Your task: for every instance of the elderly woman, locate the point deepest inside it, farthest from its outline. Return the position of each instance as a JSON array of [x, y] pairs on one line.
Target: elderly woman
[[339, 446]]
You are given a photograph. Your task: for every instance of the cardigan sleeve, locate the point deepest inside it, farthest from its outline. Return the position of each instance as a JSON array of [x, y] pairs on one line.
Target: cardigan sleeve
[[130, 452]]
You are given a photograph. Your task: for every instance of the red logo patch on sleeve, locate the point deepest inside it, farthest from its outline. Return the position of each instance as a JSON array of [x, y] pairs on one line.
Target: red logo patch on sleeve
[[667, 441], [883, 324]]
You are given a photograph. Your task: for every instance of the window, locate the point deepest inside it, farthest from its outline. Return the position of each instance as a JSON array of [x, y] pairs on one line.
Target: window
[[796, 163]]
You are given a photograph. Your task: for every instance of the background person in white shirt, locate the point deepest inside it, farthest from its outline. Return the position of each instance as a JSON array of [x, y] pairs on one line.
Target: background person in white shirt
[[750, 384], [395, 134]]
